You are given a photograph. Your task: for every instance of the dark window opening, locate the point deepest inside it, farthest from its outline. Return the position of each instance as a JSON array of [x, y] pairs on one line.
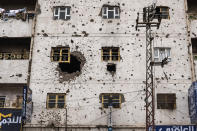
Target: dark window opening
[[111, 67], [166, 101], [14, 48], [192, 6], [73, 66], [18, 4], [111, 99], [2, 101], [194, 47], [162, 12]]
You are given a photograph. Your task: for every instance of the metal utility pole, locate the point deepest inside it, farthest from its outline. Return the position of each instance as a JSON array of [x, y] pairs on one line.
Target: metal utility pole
[[148, 16], [110, 106]]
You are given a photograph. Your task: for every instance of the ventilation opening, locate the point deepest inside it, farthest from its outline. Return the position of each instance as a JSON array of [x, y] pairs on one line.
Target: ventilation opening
[[111, 67], [71, 67], [192, 6]]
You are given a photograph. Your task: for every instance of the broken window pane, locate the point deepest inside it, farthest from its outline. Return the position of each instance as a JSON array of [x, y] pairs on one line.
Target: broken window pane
[[162, 53]]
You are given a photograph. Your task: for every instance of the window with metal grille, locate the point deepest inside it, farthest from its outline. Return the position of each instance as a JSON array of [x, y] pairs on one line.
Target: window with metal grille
[[60, 54], [166, 101], [62, 12], [162, 53], [2, 101], [56, 100], [110, 53], [111, 99], [111, 12]]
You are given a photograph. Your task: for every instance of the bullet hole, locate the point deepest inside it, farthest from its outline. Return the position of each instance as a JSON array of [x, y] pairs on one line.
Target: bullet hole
[[92, 20], [85, 33], [38, 50], [167, 35], [69, 71], [71, 41], [73, 26], [110, 21], [45, 34], [67, 91], [100, 29], [19, 75]]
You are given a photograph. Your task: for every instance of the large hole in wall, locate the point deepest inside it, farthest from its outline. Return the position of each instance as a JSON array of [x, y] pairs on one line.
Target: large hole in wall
[[69, 71], [192, 6], [71, 67]]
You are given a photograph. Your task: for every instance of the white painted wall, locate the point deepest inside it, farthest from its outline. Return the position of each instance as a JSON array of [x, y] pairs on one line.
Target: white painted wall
[[130, 76], [15, 28], [13, 71]]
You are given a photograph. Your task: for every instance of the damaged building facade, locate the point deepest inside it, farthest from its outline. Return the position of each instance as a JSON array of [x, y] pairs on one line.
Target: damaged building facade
[[76, 56]]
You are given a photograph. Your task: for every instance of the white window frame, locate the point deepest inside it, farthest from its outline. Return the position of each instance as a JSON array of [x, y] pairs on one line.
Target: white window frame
[[60, 11], [157, 52], [114, 10]]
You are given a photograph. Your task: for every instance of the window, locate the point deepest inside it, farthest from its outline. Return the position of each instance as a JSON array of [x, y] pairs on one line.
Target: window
[[110, 53], [162, 12], [62, 13], [166, 101], [192, 6], [111, 12], [2, 101], [194, 47], [111, 99], [162, 53], [60, 54], [56, 100]]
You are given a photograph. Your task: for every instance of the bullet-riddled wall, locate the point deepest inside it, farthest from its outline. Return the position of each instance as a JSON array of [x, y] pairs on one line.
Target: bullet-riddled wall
[[86, 33]]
